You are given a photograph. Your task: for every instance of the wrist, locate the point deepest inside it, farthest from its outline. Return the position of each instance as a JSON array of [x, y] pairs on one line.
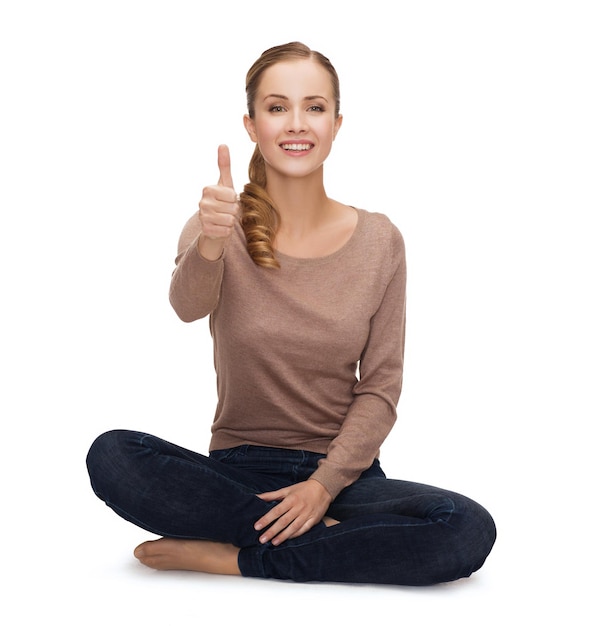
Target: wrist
[[210, 249], [322, 490]]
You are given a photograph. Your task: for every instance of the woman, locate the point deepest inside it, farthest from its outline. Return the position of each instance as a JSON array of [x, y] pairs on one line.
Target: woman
[[306, 298]]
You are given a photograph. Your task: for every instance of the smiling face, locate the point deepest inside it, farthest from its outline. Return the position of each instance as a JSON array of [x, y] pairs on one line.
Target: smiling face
[[294, 121]]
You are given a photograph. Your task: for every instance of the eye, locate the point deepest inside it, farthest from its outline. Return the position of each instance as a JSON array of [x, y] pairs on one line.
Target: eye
[[317, 108], [276, 108]]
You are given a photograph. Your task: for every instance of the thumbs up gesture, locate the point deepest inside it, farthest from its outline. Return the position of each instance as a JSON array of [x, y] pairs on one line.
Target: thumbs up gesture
[[218, 210]]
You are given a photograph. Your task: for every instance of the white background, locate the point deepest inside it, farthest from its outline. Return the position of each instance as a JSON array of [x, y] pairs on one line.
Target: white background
[[468, 123]]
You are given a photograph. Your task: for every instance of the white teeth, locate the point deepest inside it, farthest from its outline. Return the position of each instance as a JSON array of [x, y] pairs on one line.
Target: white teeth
[[296, 146]]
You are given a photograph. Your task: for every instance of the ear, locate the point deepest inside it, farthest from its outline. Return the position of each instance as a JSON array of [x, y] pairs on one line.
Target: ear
[[250, 126], [338, 122]]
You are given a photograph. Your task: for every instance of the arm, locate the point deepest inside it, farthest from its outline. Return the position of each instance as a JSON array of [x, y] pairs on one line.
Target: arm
[[195, 284], [372, 413]]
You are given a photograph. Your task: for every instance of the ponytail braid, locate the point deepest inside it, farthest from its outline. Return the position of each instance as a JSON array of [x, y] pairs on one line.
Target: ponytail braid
[[260, 219]]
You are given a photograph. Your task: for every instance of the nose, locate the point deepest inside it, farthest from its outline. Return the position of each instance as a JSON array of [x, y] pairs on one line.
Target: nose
[[297, 122]]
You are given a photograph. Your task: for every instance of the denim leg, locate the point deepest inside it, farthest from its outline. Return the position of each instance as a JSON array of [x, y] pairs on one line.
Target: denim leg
[[391, 531], [174, 492]]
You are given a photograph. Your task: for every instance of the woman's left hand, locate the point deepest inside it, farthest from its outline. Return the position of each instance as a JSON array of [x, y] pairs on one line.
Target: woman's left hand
[[302, 506]]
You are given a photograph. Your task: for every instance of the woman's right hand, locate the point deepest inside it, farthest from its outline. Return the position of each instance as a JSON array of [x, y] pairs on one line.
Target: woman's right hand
[[218, 210]]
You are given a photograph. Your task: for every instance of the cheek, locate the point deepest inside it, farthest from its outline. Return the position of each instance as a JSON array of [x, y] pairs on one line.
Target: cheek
[[325, 129], [266, 135], [326, 134]]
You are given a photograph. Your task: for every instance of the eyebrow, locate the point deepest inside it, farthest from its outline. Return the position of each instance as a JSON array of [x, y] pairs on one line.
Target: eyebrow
[[281, 97]]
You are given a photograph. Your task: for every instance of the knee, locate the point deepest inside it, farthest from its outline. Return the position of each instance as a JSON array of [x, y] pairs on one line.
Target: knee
[[488, 534], [102, 447], [101, 459], [478, 537]]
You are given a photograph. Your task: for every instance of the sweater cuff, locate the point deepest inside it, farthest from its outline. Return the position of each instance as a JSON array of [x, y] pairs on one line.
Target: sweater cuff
[[333, 482]]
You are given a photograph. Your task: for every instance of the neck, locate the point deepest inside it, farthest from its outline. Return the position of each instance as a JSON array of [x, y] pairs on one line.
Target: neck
[[302, 203]]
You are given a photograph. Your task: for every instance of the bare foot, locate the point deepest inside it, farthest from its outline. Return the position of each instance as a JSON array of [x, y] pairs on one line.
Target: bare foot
[[189, 554]]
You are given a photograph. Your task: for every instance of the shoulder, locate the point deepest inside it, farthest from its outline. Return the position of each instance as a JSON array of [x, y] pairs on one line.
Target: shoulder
[[379, 230]]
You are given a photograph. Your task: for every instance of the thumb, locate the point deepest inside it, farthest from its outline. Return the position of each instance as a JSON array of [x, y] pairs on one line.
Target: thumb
[[224, 167]]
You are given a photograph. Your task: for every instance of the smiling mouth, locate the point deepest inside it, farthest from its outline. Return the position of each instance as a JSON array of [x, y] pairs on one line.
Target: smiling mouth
[[296, 147]]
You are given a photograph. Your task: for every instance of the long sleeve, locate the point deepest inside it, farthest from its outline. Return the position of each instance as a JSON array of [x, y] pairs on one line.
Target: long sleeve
[[195, 283], [373, 412]]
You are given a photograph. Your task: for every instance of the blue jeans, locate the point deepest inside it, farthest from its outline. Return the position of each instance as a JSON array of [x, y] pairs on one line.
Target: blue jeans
[[390, 531]]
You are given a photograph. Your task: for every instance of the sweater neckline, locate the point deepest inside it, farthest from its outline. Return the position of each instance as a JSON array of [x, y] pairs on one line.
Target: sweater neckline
[[318, 260]]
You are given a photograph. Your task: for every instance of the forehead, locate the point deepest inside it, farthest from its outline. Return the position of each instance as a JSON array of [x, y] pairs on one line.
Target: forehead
[[296, 79]]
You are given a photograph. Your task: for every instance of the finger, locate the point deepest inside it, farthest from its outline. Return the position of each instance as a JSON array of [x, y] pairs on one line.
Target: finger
[[217, 232], [269, 496], [222, 226], [214, 195], [281, 526], [273, 514], [293, 530], [269, 518], [224, 167]]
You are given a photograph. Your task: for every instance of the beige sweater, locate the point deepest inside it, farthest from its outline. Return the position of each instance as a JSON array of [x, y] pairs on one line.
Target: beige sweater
[[288, 342]]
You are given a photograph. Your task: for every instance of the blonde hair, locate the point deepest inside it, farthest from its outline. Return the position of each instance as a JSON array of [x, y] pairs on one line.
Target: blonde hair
[[260, 219]]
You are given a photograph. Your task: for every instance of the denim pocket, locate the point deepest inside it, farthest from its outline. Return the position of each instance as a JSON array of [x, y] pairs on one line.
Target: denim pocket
[[226, 455]]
